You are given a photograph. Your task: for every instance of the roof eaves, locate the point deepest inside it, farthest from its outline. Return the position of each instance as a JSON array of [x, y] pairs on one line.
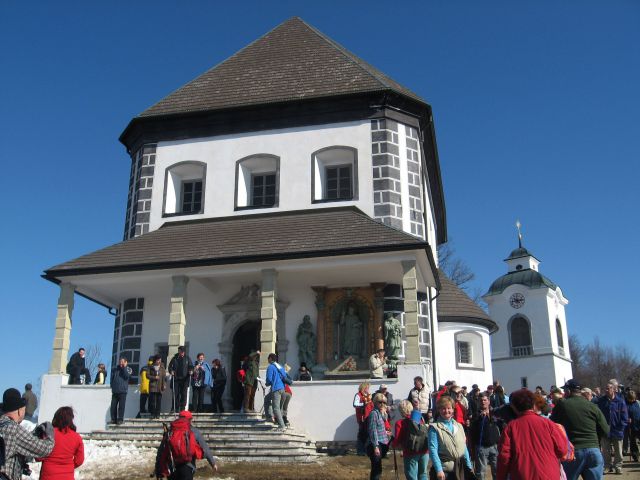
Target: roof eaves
[[53, 273]]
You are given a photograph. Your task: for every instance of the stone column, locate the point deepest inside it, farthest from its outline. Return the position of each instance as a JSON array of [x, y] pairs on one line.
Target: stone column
[[268, 315], [177, 318], [410, 286], [61, 339]]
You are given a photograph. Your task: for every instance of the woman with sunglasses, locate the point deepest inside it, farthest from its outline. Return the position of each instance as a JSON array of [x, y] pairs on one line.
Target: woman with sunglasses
[[378, 439]]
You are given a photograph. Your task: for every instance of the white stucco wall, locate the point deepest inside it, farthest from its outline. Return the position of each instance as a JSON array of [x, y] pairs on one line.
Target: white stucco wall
[[90, 403], [293, 146], [446, 352], [543, 370]]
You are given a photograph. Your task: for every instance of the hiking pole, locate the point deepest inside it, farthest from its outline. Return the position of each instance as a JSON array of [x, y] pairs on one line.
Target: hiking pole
[[395, 464]]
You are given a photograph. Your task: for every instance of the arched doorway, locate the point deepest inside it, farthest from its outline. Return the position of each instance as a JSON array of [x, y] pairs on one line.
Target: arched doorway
[[246, 339]]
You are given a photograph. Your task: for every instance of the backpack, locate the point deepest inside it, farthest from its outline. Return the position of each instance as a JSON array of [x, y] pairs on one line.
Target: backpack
[[416, 439], [241, 375], [3, 457], [183, 444]]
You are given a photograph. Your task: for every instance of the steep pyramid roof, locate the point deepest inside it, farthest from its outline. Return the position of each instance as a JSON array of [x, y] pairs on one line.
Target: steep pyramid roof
[[294, 61]]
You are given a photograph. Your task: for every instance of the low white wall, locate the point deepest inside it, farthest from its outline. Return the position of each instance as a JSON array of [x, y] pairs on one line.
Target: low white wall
[[324, 409], [90, 403]]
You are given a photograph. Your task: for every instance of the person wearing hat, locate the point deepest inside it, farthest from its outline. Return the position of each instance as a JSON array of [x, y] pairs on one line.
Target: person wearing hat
[[250, 383], [165, 456], [18, 442], [389, 396], [584, 424]]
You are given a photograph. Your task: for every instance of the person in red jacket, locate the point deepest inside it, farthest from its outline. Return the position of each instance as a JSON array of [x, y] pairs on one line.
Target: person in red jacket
[[460, 412], [531, 446], [363, 405], [68, 452]]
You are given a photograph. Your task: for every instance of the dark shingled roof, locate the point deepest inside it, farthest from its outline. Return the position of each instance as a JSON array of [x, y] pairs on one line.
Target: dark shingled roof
[[528, 277], [294, 61], [519, 252], [454, 305], [243, 239]]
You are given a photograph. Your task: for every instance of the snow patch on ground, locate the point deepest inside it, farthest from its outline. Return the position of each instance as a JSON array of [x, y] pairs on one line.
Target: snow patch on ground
[[105, 459]]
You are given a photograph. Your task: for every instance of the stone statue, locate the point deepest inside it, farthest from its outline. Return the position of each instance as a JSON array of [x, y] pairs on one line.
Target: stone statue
[[392, 337], [352, 328], [306, 342]]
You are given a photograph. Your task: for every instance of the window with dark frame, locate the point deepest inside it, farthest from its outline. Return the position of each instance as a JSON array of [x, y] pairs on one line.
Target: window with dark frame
[[464, 353], [263, 190], [191, 196], [339, 184]]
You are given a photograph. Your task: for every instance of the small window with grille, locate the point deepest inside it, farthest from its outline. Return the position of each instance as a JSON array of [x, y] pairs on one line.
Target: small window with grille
[[263, 190], [191, 196], [465, 353], [339, 183]]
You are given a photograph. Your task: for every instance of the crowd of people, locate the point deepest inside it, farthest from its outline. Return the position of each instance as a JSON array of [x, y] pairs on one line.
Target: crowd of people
[[570, 432]]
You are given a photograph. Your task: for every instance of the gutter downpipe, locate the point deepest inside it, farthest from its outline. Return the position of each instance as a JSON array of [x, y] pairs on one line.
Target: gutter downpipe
[[433, 342]]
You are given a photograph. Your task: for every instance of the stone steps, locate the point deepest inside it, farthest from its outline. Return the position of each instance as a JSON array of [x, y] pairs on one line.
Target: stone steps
[[231, 436]]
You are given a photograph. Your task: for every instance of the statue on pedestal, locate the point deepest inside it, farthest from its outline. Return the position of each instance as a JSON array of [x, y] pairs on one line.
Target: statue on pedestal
[[352, 328], [392, 338], [306, 342]]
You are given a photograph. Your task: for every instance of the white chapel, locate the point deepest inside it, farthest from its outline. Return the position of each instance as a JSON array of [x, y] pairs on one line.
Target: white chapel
[[293, 179]]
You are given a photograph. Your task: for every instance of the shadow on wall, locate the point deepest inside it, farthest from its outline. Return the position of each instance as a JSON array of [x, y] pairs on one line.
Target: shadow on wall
[[347, 430]]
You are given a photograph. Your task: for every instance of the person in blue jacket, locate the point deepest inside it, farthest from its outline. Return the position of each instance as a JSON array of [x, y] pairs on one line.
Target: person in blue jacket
[[615, 412], [200, 380], [275, 380]]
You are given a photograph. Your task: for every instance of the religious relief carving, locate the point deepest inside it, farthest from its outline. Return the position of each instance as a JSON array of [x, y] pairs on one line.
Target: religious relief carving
[[306, 342], [349, 325], [392, 338], [248, 294]]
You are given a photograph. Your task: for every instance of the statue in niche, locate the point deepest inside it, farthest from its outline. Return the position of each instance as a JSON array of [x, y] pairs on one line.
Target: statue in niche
[[352, 328], [306, 342], [392, 338]]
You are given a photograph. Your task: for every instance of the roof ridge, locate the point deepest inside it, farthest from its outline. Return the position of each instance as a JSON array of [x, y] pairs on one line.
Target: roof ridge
[[198, 76], [352, 57], [382, 78]]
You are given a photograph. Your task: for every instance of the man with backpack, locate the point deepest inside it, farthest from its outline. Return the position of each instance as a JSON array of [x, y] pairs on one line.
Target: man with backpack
[[485, 434], [411, 435], [181, 446]]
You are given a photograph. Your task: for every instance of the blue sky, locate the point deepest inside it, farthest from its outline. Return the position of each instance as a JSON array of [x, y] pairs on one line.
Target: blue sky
[[536, 109]]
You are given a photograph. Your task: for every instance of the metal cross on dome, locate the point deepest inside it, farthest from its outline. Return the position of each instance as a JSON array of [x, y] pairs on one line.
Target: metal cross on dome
[[518, 225]]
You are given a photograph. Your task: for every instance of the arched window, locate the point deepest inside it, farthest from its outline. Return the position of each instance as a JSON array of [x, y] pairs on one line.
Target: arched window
[[184, 185], [257, 181], [334, 174], [559, 336], [520, 337]]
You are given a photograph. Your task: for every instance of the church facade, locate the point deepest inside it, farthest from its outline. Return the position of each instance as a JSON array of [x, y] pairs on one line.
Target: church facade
[[288, 200]]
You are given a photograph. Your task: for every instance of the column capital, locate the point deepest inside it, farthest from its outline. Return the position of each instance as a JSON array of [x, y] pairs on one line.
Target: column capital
[[179, 285], [67, 291]]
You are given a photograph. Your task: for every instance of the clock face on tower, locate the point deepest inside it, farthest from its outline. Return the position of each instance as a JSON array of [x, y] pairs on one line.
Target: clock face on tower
[[516, 300]]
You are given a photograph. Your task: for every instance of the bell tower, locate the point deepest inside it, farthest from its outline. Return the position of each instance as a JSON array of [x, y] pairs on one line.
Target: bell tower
[[531, 347]]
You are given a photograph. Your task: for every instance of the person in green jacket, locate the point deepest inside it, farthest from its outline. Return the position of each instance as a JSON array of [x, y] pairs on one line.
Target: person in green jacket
[[585, 424], [250, 381]]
